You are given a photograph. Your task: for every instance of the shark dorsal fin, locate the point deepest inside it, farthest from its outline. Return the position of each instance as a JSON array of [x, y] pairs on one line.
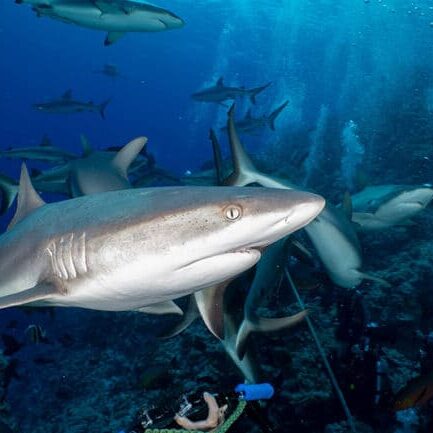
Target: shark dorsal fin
[[220, 82], [248, 115], [67, 95], [127, 154], [85, 145], [28, 198], [244, 170], [46, 142]]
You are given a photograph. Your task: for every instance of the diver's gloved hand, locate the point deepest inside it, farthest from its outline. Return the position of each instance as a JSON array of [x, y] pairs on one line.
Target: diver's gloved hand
[[214, 419]]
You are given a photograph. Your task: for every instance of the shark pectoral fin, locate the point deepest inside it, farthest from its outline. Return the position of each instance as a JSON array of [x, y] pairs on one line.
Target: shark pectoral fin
[[112, 37], [28, 199], [189, 316], [210, 303], [37, 293], [127, 155], [376, 279], [167, 307], [264, 324]]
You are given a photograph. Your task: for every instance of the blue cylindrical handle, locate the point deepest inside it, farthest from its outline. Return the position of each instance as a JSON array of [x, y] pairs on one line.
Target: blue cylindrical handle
[[257, 391]]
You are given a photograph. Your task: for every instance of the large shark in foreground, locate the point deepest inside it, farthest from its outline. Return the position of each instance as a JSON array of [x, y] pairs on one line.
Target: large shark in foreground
[[115, 17], [138, 249], [382, 206]]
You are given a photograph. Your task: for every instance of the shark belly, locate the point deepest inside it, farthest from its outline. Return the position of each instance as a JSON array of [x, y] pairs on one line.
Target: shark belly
[[341, 259], [92, 17]]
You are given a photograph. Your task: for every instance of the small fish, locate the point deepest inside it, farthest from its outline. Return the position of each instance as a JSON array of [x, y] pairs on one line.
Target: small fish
[[36, 334], [416, 393], [67, 105]]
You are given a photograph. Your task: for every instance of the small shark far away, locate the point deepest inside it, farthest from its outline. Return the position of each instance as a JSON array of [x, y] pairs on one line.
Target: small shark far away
[[138, 249], [252, 125], [67, 105], [220, 93], [115, 17]]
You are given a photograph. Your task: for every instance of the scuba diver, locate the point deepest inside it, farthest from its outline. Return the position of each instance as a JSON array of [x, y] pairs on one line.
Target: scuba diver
[[206, 412]]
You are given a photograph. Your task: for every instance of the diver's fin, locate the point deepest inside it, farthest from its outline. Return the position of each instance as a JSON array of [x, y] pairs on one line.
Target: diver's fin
[[167, 307], [273, 116], [373, 278], [67, 95], [264, 324], [217, 157], [127, 154], [28, 198], [210, 303], [220, 82], [347, 205], [9, 190], [37, 293], [85, 145], [191, 313], [112, 37]]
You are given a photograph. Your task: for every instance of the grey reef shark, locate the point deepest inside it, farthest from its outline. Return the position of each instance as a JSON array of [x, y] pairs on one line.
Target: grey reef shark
[[139, 249], [382, 206], [95, 171], [46, 151], [67, 105], [331, 233], [116, 17], [219, 93], [252, 125]]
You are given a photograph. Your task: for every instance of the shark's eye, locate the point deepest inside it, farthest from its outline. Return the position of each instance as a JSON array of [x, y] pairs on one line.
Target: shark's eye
[[232, 212]]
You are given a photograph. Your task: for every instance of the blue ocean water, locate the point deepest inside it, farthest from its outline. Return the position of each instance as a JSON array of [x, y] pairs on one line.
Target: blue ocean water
[[358, 75]]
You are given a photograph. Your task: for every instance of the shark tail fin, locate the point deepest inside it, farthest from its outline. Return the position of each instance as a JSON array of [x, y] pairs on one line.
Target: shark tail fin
[[273, 116], [102, 107], [217, 157], [9, 190], [244, 171], [254, 92], [264, 324]]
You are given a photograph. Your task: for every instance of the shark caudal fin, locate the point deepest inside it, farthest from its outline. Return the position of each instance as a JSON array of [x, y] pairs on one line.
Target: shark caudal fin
[[102, 107], [8, 191], [244, 171], [254, 92], [264, 324], [273, 116]]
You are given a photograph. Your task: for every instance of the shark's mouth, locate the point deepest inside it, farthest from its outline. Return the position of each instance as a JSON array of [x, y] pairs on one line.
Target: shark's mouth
[[254, 253]]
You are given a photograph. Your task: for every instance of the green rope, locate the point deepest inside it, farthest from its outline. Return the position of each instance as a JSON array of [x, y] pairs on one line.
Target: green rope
[[222, 429]]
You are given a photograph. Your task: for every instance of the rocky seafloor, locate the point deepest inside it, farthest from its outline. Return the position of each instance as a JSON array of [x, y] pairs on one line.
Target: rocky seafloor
[[97, 369]]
